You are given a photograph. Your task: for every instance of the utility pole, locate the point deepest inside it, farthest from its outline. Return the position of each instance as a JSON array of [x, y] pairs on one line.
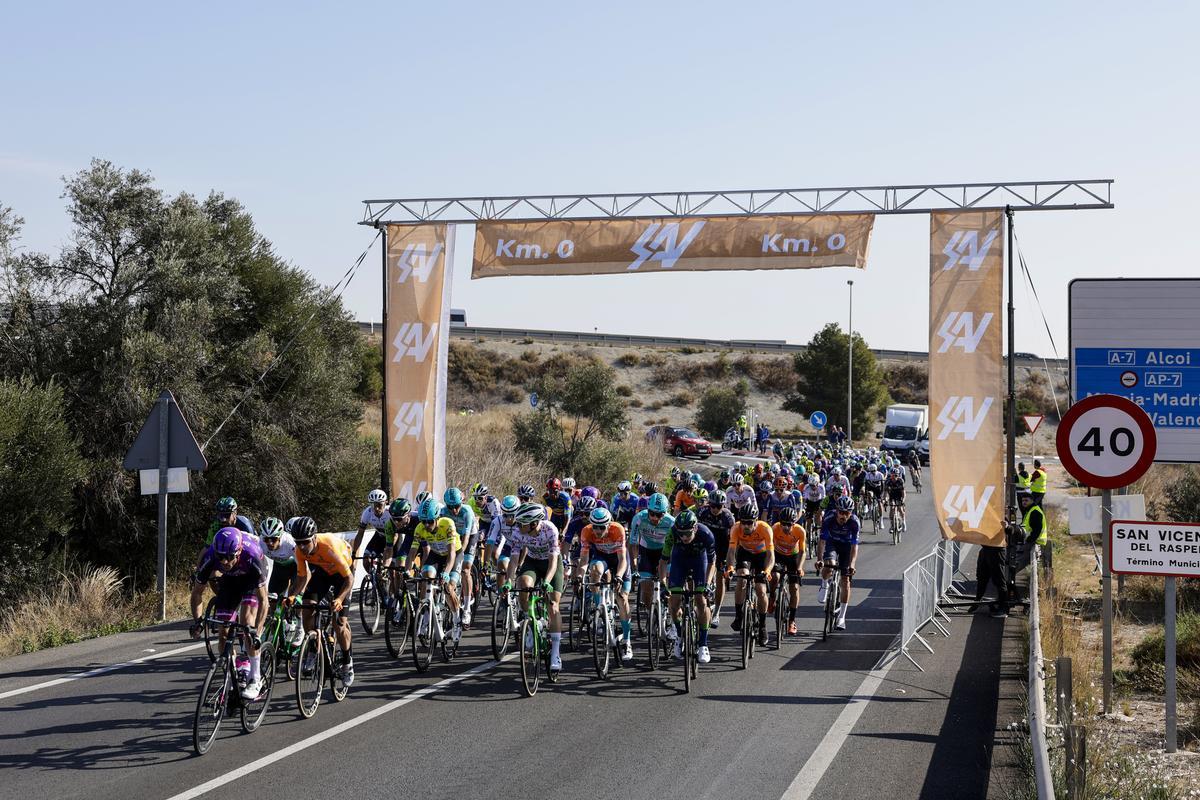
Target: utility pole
[[850, 371]]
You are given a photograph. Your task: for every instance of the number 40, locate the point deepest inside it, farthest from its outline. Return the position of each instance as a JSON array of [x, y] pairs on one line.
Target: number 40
[[1120, 441]]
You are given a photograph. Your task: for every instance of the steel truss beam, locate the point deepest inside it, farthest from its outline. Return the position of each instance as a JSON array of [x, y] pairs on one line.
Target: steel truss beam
[[914, 199]]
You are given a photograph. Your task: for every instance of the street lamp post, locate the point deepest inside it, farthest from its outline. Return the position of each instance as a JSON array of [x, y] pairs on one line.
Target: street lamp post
[[850, 371]]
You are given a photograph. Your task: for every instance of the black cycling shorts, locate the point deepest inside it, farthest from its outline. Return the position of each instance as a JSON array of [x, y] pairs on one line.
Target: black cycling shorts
[[757, 561], [320, 583]]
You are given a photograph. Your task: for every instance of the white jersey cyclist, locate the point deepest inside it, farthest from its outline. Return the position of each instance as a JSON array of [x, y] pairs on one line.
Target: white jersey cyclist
[[541, 544], [839, 480], [813, 492], [740, 496], [372, 520]]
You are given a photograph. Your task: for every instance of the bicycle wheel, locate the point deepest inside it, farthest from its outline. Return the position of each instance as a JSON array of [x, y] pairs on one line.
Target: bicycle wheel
[[640, 610], [336, 687], [689, 649], [653, 631], [781, 596], [895, 527], [488, 585], [212, 633], [575, 631], [747, 630], [210, 707], [253, 711], [423, 636], [503, 617], [397, 625], [449, 642], [601, 627], [309, 682], [369, 606], [754, 613], [531, 663]]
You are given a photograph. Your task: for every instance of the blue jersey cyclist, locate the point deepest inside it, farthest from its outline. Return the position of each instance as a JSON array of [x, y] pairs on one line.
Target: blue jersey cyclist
[[624, 503], [839, 534], [689, 551], [647, 533], [463, 517], [558, 502], [780, 498], [225, 516]]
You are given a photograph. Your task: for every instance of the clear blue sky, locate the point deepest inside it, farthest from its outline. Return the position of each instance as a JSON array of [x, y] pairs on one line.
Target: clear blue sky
[[301, 110]]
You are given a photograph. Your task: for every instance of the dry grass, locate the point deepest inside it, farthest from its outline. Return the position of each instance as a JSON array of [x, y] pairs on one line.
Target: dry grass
[[87, 602]]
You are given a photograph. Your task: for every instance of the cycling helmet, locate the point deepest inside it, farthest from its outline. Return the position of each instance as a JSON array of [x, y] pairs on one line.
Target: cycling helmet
[[813, 480], [700, 495], [399, 508], [509, 504], [843, 504], [624, 486], [739, 479], [599, 517], [554, 485], [764, 486], [788, 515], [836, 490], [525, 490], [780, 481], [480, 491], [675, 472], [376, 496], [650, 487], [270, 528], [302, 528], [420, 499], [709, 486], [429, 510], [637, 478], [837, 470], [453, 496], [226, 505], [717, 498], [227, 541], [747, 513], [724, 474], [590, 491], [657, 504], [531, 514], [686, 522], [568, 483], [586, 505]]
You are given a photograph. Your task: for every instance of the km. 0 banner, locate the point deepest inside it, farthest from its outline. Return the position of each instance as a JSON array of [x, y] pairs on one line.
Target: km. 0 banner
[[416, 339], [965, 383], [593, 247]]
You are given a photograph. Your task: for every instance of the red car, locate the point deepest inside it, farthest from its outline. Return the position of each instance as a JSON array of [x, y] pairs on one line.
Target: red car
[[680, 442]]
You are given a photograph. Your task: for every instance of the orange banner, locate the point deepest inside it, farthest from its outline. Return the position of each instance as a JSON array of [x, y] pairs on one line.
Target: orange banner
[[966, 385], [416, 339], [592, 247]]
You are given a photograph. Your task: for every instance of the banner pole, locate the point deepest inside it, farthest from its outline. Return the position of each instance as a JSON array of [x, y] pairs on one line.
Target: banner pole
[[1012, 381], [1106, 584], [384, 471]]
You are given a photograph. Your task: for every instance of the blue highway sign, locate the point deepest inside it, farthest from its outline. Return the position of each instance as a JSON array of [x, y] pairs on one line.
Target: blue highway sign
[[1165, 382]]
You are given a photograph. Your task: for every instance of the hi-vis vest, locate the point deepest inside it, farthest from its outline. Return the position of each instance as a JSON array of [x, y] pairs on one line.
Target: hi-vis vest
[[1041, 539], [1023, 481], [1037, 482]]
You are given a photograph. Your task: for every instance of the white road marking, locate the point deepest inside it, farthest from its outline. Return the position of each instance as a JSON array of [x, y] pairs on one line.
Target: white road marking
[[805, 782], [317, 738], [91, 673]]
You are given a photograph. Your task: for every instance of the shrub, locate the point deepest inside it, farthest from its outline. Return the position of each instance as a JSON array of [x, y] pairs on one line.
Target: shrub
[[688, 350], [720, 407], [629, 359], [1181, 497], [513, 395], [370, 366], [625, 390], [907, 383], [653, 358], [682, 399], [635, 402], [665, 375], [770, 374], [472, 368]]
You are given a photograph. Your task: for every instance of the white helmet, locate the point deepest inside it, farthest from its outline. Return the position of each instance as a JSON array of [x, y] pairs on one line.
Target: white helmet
[[568, 483], [377, 496]]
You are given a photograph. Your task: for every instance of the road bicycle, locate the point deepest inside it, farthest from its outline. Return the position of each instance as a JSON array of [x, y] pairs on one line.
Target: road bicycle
[[603, 626], [577, 616], [875, 511], [221, 692], [655, 629], [434, 623], [320, 658], [781, 599], [505, 621], [896, 523], [535, 640], [916, 480], [283, 631], [833, 595], [370, 594], [689, 630], [749, 612], [212, 629], [398, 621]]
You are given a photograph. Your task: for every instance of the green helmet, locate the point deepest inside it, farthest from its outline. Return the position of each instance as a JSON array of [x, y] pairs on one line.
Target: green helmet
[[400, 507], [226, 505], [686, 522]]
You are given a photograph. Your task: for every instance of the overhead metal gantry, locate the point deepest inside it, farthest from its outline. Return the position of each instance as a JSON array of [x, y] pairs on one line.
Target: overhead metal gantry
[[899, 199]]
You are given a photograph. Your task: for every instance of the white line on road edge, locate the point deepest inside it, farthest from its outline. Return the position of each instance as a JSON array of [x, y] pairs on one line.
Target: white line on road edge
[[91, 673], [317, 738], [805, 782]]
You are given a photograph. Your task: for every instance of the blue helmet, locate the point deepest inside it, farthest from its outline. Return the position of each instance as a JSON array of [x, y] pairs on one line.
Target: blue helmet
[[657, 503], [430, 510], [453, 496], [227, 541], [843, 503], [600, 516], [509, 504]]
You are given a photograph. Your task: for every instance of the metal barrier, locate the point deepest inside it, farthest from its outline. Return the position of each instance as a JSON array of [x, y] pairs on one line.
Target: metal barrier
[[927, 582], [1036, 691]]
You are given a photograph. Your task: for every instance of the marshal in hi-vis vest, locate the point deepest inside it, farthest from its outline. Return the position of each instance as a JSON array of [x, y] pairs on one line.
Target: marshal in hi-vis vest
[[1041, 539]]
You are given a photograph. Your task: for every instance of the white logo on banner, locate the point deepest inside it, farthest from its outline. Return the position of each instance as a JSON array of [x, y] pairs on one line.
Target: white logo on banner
[[406, 490], [959, 330], [415, 261], [413, 340], [960, 504], [964, 248], [959, 416], [663, 237], [410, 420]]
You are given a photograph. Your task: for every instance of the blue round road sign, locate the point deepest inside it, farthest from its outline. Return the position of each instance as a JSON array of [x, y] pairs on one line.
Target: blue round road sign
[[817, 419], [533, 399]]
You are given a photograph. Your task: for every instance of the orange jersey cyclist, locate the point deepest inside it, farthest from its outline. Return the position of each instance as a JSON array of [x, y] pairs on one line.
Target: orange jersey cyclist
[[751, 543], [789, 538], [323, 565], [603, 550]]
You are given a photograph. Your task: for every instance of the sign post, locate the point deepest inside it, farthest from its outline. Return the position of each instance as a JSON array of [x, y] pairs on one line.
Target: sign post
[[164, 442], [1106, 441]]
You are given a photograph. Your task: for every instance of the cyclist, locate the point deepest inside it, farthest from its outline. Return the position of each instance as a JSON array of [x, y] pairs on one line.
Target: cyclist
[[750, 543], [625, 504], [873, 484], [670, 483], [779, 499], [580, 519], [685, 498], [537, 557], [837, 479], [374, 516], [557, 502], [439, 540], [719, 521], [689, 551], [504, 527], [894, 486], [789, 538], [485, 506], [724, 480], [468, 535], [323, 565], [568, 486], [813, 493], [225, 516], [398, 540], [741, 495], [280, 548], [241, 590], [603, 549], [839, 534], [647, 533]]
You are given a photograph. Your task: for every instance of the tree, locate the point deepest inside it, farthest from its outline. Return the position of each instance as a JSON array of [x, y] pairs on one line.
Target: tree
[[576, 404], [157, 292], [720, 406], [822, 382]]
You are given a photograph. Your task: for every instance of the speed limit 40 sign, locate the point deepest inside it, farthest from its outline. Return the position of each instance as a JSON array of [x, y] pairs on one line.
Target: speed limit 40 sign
[[1106, 441]]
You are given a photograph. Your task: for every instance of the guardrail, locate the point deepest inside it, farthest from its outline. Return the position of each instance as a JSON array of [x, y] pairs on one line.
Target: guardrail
[[1036, 690]]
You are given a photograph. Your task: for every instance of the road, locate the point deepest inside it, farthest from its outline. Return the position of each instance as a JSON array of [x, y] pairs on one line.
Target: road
[[812, 719]]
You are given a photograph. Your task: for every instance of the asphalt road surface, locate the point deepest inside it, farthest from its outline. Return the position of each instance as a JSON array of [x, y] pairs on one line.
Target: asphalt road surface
[[812, 719]]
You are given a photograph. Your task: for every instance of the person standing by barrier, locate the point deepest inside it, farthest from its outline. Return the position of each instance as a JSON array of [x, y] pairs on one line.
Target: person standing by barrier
[[1037, 483], [989, 570]]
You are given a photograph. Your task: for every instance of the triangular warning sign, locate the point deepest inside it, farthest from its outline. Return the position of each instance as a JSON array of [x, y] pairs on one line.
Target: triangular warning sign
[[1032, 421], [182, 448]]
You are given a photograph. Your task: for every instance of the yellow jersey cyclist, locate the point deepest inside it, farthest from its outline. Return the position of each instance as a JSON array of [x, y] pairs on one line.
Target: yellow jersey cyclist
[[323, 565], [751, 543], [536, 557], [689, 551], [439, 542], [789, 540], [604, 550]]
